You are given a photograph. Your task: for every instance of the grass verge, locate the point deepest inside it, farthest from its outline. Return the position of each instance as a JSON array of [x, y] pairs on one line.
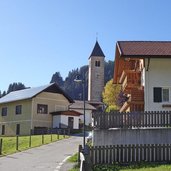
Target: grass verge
[[135, 167], [116, 167], [9, 143], [74, 159]]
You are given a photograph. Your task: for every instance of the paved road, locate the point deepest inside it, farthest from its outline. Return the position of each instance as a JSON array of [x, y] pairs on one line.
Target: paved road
[[45, 158]]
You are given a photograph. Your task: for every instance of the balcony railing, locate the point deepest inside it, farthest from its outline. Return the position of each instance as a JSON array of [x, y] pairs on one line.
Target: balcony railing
[[135, 101], [130, 79]]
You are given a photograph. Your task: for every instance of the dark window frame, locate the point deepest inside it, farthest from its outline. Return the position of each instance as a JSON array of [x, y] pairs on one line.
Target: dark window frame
[[42, 109], [97, 63], [18, 109], [4, 111]]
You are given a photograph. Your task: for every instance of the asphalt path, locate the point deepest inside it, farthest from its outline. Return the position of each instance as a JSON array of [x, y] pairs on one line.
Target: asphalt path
[[48, 157]]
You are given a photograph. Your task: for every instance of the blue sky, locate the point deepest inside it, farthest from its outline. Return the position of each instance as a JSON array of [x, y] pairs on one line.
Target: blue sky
[[40, 37]]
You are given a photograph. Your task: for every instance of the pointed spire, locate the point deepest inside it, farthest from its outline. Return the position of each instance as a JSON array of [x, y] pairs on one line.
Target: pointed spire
[[97, 51]]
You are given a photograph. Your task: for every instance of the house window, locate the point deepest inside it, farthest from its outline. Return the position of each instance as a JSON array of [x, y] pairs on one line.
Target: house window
[[18, 129], [161, 94], [4, 111], [165, 94], [97, 63], [3, 130], [42, 109], [18, 109]]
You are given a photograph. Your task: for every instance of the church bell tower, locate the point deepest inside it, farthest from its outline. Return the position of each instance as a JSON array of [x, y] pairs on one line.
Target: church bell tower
[[96, 74]]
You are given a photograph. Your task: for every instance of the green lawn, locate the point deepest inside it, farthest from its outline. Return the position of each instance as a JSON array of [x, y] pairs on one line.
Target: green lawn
[[138, 167], [9, 143]]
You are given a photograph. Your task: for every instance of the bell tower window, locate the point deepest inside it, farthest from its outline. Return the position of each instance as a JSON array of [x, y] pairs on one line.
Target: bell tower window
[[97, 63]]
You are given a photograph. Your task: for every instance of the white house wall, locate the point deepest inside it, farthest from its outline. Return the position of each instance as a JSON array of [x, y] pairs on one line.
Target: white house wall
[[76, 122], [56, 121], [158, 75], [88, 116], [64, 121]]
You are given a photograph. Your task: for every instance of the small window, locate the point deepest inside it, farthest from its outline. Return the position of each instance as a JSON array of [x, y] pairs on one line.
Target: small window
[[3, 130], [165, 95], [18, 109], [4, 111], [42, 109], [97, 63], [18, 129]]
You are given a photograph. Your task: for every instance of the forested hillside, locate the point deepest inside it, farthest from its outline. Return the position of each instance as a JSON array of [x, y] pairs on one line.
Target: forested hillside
[[13, 87], [75, 89]]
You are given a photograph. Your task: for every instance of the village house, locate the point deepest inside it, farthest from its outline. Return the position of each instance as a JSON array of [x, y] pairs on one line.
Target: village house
[[78, 106], [36, 108], [143, 69]]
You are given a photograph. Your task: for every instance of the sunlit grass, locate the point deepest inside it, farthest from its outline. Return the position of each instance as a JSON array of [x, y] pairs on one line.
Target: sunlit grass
[[136, 167], [9, 143], [116, 167]]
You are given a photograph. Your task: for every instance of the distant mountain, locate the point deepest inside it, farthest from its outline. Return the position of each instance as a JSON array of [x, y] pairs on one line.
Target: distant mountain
[[74, 89]]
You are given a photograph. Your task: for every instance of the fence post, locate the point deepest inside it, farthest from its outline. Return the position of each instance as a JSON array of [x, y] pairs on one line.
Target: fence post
[[42, 138], [30, 138], [64, 133], [58, 134], [79, 150], [87, 164], [1, 141], [51, 134], [17, 142]]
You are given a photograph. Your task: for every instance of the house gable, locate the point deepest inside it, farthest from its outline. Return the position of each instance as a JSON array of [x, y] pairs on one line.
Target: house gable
[[136, 65]]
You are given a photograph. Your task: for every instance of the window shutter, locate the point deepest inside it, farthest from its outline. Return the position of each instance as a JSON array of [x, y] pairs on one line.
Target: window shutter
[[157, 94]]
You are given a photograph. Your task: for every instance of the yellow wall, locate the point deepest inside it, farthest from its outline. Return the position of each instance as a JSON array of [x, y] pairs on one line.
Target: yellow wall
[[12, 119], [55, 102]]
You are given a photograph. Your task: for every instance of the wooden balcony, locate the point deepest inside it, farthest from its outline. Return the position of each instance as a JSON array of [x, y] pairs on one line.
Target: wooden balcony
[[135, 101], [130, 79]]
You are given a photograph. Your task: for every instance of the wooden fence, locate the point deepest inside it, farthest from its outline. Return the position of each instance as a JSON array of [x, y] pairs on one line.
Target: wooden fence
[[40, 131], [130, 154], [104, 120]]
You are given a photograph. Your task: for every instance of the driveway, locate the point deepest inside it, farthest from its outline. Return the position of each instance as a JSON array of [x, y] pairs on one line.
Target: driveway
[[45, 158]]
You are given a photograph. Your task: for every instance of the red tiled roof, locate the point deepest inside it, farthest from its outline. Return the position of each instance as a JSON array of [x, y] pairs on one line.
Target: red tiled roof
[[145, 48]]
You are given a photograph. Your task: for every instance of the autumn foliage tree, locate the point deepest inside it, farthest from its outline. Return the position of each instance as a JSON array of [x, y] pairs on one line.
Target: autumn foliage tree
[[110, 95]]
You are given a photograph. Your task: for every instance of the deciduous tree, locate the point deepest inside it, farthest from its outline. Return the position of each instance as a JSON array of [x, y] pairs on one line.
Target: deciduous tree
[[110, 95]]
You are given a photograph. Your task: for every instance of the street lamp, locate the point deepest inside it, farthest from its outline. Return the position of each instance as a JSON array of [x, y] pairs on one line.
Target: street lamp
[[78, 80]]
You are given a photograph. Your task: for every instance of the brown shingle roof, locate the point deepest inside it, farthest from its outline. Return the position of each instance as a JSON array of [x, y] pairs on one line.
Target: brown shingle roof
[[145, 48]]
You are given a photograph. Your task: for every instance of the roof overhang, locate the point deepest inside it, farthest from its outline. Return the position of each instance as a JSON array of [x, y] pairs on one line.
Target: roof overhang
[[122, 55], [67, 113]]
